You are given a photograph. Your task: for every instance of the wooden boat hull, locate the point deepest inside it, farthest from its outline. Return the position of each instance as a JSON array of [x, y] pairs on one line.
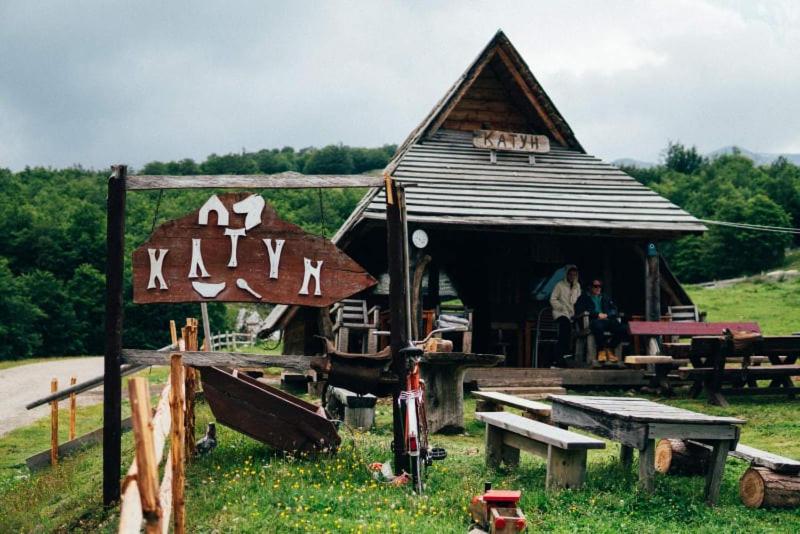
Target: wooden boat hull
[[267, 414]]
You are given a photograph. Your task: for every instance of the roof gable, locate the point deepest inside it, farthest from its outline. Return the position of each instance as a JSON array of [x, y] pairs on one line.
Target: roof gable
[[497, 91]]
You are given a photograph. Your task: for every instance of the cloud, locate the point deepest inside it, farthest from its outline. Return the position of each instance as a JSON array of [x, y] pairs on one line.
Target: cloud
[[96, 83]]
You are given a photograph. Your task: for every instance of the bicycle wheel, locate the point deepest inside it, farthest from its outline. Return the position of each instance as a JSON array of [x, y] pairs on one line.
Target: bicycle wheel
[[417, 468]]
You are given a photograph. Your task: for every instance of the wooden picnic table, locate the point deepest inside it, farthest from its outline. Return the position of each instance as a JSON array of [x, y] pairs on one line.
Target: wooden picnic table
[[688, 328], [638, 423], [443, 373], [708, 355]]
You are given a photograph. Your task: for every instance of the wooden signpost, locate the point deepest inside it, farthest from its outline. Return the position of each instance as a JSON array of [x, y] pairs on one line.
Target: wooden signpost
[[235, 248], [510, 141]]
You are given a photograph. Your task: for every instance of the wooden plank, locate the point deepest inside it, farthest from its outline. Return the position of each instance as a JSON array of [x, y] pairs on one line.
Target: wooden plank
[[648, 360], [54, 424], [283, 180], [112, 380], [777, 463], [219, 359], [510, 141], [83, 386], [246, 253], [568, 377], [630, 433], [539, 431], [42, 459], [523, 443], [688, 328], [538, 408], [698, 431], [661, 413]]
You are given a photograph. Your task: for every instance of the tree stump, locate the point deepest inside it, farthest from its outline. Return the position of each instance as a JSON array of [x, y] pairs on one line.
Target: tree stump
[[679, 457], [761, 487]]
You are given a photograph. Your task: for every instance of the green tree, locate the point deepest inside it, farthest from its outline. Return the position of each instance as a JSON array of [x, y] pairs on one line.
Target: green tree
[[681, 159], [333, 159]]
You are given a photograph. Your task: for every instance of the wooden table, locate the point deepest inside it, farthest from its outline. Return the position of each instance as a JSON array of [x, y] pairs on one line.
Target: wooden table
[[443, 373], [650, 329], [638, 423], [709, 354]]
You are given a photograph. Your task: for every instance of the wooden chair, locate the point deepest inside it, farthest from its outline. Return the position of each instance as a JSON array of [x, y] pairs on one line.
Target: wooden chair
[[545, 326], [683, 313], [351, 316], [456, 316]]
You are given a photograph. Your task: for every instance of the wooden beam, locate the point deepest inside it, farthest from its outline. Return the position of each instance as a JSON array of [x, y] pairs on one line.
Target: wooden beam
[[176, 464], [219, 359], [112, 383], [283, 180]]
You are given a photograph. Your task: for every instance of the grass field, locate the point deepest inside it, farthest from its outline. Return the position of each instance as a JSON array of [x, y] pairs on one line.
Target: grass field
[[243, 486]]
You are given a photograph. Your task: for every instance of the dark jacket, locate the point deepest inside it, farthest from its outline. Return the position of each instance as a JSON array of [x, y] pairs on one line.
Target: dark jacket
[[585, 304]]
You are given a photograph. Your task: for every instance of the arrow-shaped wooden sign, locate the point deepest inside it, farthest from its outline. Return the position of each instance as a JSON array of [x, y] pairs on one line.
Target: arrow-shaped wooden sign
[[235, 248]]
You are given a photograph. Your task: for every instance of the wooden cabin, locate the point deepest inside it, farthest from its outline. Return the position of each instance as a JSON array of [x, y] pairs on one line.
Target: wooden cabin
[[499, 223]]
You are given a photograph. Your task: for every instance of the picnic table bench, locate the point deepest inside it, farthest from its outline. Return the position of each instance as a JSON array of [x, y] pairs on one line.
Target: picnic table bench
[[655, 329], [493, 401], [709, 354], [507, 434], [637, 423]]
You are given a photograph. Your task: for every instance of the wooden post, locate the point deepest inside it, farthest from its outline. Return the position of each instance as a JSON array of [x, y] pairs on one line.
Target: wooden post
[[652, 293], [54, 424], [396, 244], [146, 464], [73, 409], [177, 443], [652, 290], [173, 334], [209, 343], [190, 337], [112, 383]]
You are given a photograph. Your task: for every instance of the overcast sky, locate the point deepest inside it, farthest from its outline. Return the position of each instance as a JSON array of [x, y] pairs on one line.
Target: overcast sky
[[100, 82]]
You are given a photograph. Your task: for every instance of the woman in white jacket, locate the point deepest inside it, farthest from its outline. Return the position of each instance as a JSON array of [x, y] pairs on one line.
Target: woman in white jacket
[[562, 301]]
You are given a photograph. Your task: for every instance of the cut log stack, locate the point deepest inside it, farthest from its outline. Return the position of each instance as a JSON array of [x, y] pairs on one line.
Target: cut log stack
[[679, 457], [761, 487], [771, 481]]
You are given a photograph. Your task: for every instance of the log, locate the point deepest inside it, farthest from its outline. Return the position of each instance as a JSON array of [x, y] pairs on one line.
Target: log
[[679, 457], [145, 457], [175, 464], [760, 487]]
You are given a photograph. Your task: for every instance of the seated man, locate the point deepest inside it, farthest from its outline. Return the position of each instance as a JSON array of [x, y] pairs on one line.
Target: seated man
[[603, 318], [562, 302]]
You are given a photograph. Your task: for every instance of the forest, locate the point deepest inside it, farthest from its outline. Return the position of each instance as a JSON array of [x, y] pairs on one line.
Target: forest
[[52, 232]]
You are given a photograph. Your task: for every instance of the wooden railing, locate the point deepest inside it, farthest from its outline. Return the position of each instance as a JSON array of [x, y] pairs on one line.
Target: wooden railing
[[232, 340], [143, 497]]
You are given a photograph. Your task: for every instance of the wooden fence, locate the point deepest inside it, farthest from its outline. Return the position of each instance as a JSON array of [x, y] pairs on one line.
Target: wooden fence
[[232, 340], [144, 499]]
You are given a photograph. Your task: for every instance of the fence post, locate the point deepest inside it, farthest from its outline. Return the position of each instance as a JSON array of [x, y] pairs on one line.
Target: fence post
[[54, 424], [173, 334], [73, 409], [146, 466], [190, 335], [177, 443]]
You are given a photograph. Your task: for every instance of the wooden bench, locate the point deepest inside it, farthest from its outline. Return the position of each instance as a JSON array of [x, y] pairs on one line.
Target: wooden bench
[[492, 401], [565, 451], [357, 411]]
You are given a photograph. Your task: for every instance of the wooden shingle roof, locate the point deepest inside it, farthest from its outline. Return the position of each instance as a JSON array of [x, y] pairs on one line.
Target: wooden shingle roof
[[456, 184]]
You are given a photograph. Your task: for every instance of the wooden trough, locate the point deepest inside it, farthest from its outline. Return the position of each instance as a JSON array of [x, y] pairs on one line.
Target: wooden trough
[[267, 414]]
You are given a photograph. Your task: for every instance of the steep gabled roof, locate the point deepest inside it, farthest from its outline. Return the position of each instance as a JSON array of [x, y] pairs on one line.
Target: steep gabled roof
[[456, 183]]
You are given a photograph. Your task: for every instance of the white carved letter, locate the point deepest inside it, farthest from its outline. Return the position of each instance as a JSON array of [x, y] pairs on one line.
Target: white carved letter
[[274, 255], [156, 264], [252, 206], [308, 273], [214, 204], [235, 234], [197, 261]]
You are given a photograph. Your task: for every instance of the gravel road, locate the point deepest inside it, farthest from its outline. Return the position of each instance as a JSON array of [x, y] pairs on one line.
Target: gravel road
[[26, 383]]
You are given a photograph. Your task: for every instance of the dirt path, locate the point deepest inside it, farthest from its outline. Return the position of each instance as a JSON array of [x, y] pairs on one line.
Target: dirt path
[[26, 383]]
